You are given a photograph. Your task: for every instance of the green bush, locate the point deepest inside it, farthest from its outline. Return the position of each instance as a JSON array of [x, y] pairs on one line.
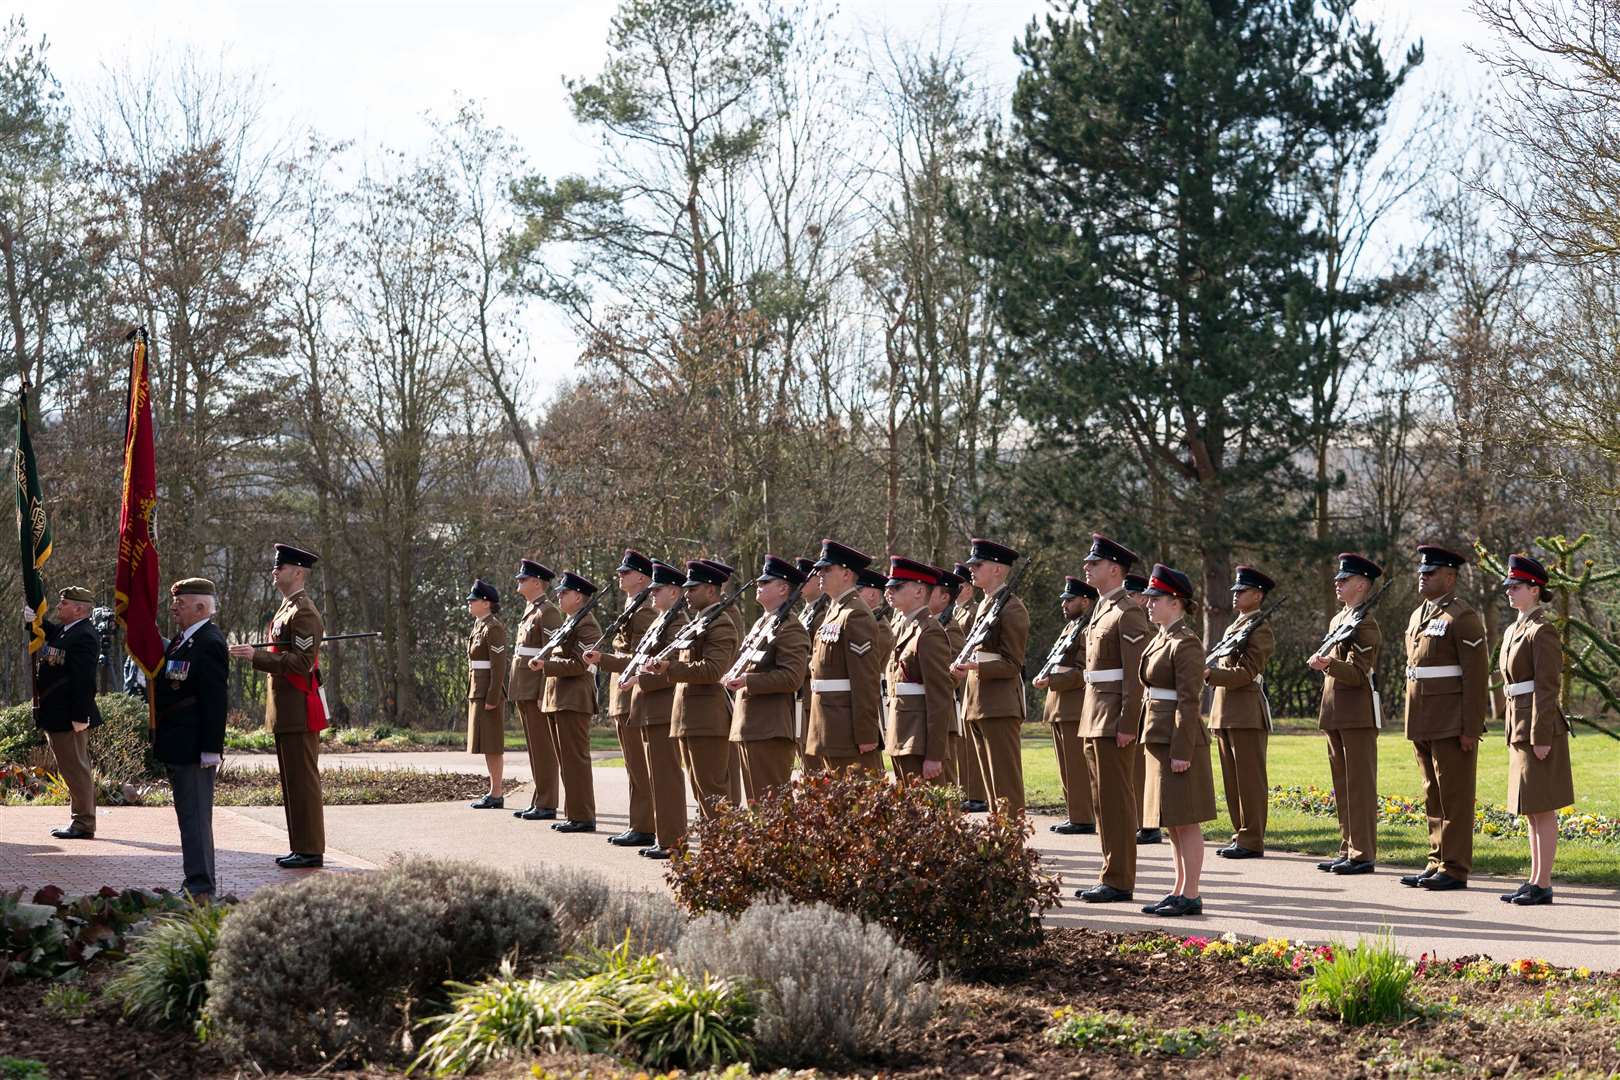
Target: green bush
[[960, 893], [1125, 1034], [1365, 983], [53, 936], [593, 913], [165, 980], [830, 987], [13, 1068], [120, 748], [336, 965]]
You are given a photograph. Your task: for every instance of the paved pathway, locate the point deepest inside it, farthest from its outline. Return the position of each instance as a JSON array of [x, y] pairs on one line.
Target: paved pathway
[[1282, 895]]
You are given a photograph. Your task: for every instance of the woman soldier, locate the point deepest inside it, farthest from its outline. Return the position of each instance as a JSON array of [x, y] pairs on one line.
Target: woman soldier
[[486, 687], [1179, 784], [1539, 781]]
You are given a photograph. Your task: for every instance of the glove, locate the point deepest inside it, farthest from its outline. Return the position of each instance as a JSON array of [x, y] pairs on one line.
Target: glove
[[28, 614], [209, 760], [81, 725]]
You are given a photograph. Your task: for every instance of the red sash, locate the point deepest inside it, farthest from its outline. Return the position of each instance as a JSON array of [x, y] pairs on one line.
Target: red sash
[[314, 694]]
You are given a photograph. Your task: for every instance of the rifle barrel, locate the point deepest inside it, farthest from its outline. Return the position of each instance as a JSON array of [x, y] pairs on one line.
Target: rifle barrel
[[324, 640]]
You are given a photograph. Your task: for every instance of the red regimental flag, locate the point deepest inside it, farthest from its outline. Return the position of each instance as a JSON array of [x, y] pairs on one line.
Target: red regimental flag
[[135, 589]]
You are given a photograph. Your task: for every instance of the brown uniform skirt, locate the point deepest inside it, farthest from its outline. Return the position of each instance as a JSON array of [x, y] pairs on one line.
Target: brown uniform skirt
[[1171, 798], [1535, 786], [486, 729]]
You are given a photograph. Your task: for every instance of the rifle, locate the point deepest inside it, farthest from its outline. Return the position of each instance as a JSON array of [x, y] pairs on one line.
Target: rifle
[[1061, 645], [762, 632], [948, 616], [561, 633], [987, 622], [807, 617], [324, 640], [696, 628], [629, 612], [639, 657], [1347, 629], [1231, 644]]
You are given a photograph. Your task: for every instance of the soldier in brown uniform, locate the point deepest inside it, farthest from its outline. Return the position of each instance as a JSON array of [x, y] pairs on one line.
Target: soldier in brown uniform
[[635, 574], [1062, 676], [922, 694], [651, 700], [526, 686], [873, 585], [1115, 638], [1447, 688], [1539, 780], [975, 797], [993, 689], [766, 677], [814, 609], [942, 606], [845, 722], [1134, 586], [734, 787], [1240, 716], [700, 718], [570, 703], [487, 650], [1351, 715], [294, 710]]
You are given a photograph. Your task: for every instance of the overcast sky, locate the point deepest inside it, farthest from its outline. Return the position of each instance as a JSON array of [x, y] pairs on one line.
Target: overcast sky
[[369, 70]]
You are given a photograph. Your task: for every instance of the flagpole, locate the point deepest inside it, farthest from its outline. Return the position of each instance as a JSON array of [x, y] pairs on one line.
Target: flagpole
[[28, 629]]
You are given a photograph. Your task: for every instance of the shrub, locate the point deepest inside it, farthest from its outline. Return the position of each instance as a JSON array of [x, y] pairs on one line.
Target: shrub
[[830, 987], [960, 893], [592, 913], [165, 980], [1363, 984], [1128, 1035], [54, 936], [66, 1001], [14, 1068], [120, 748], [335, 965]]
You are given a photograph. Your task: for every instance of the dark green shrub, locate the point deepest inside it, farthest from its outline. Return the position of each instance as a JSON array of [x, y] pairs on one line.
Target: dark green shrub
[[165, 979], [1365, 983], [337, 965], [54, 936], [120, 748], [958, 892]]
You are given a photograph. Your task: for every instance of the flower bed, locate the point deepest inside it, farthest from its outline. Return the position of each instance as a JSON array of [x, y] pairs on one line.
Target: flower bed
[[1489, 819]]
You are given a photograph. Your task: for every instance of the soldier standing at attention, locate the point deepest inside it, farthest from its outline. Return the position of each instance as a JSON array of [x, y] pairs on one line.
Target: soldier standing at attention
[[941, 604], [993, 684], [1350, 716], [1115, 640], [294, 711], [651, 699], [527, 685], [1447, 688], [635, 574], [975, 796], [486, 688], [922, 694], [872, 586], [1135, 585], [1240, 716], [845, 700], [1065, 685], [570, 702], [815, 601], [734, 788], [766, 680], [67, 703]]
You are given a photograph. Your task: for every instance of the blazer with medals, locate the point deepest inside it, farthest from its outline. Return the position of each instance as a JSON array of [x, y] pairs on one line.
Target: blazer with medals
[[773, 672], [653, 697], [616, 657], [67, 676], [296, 631], [1239, 700], [540, 618], [486, 654], [995, 689], [1115, 640], [1347, 686], [922, 701], [190, 697], [845, 650], [1533, 655], [1448, 635], [570, 682], [1174, 661], [1066, 683], [702, 706]]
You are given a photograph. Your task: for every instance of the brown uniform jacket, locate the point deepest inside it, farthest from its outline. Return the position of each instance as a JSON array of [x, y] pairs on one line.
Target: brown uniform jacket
[[1174, 661], [1239, 700], [570, 682], [773, 671], [886, 619], [487, 645], [1531, 652], [653, 696], [920, 723], [845, 647], [995, 689], [1115, 640], [702, 706], [296, 630], [540, 618], [1066, 683], [1347, 684], [616, 654], [1444, 633]]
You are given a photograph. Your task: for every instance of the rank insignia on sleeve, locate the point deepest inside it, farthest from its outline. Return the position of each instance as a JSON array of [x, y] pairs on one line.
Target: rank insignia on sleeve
[[1473, 644], [1133, 638], [304, 642], [861, 649], [497, 648]]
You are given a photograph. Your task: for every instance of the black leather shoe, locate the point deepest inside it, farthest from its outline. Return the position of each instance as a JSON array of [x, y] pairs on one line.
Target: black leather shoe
[[1354, 866], [536, 813], [975, 806], [1412, 881], [1180, 905], [1534, 895], [631, 838], [1509, 897], [654, 852], [1236, 852], [1224, 850], [300, 862], [1151, 909], [1103, 894], [72, 832], [575, 826], [1149, 836], [1072, 828], [1326, 865], [1443, 882], [490, 802]]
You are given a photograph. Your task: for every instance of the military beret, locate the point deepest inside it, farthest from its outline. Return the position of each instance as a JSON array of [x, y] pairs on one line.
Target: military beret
[[77, 593], [634, 562], [1135, 583], [1104, 548], [571, 580], [287, 555], [775, 569], [1247, 577], [1524, 568], [1434, 557], [1168, 581], [703, 572], [989, 551], [665, 574], [903, 571], [192, 586], [1351, 564], [530, 568], [1074, 588], [835, 554], [483, 590]]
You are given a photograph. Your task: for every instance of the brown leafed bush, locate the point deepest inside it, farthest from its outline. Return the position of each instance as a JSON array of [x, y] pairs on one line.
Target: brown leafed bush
[[957, 892], [335, 967]]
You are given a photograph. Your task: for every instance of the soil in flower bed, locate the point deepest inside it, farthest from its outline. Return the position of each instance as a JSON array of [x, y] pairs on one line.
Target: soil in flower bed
[[345, 787]]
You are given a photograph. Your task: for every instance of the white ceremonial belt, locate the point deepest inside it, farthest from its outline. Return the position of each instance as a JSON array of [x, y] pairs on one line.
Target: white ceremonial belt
[[1155, 693], [525, 650], [1116, 674], [478, 665], [1438, 671], [910, 689], [1514, 689], [1063, 669], [986, 657], [829, 686]]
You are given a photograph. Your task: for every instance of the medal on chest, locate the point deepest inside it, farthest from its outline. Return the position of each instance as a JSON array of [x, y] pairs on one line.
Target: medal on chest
[[1436, 627]]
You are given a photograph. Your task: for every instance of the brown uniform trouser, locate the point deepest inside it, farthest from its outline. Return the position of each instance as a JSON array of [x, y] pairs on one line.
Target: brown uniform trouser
[[668, 782], [969, 775], [871, 761], [764, 764], [572, 730], [1113, 799], [1449, 777], [1073, 771], [1138, 754], [1001, 760], [542, 743], [635, 766], [72, 750], [298, 756], [1243, 774], [1353, 760], [707, 759]]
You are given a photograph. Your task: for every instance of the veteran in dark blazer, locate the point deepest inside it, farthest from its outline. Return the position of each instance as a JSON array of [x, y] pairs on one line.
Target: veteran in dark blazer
[[766, 677], [922, 694], [65, 670]]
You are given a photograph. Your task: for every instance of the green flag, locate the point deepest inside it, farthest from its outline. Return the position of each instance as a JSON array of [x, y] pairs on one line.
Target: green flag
[[33, 527]]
